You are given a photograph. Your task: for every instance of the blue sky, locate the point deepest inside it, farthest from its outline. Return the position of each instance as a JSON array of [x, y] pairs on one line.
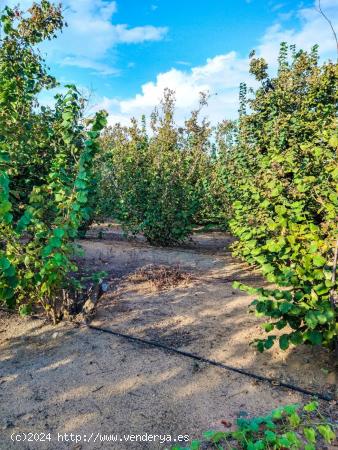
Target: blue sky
[[125, 52]]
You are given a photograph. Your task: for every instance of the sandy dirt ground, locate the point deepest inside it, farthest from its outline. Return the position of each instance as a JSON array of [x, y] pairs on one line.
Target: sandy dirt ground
[[71, 379]]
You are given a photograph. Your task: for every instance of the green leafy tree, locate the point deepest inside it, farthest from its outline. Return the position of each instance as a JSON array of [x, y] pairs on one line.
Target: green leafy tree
[[45, 164], [282, 183], [155, 184]]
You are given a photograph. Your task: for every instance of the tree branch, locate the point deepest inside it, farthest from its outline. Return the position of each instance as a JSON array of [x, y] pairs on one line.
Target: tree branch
[[320, 10]]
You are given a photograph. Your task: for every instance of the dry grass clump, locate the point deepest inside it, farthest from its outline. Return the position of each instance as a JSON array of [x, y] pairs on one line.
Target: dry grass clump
[[160, 277]]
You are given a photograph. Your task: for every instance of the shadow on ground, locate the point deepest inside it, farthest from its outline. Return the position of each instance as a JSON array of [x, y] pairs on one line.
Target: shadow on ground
[[70, 378], [208, 316]]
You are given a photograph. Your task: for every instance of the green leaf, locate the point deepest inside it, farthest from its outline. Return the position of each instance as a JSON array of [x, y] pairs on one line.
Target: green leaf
[[46, 251], [267, 327], [309, 447], [277, 413], [311, 319], [294, 420], [24, 221], [80, 184], [310, 434], [195, 445], [284, 442], [291, 409], [280, 210], [29, 275], [260, 346], [82, 197], [315, 337], [293, 439], [270, 436], [285, 307], [59, 197], [327, 433], [4, 263], [268, 343], [319, 261], [55, 242], [334, 140], [7, 294], [218, 436], [284, 342], [296, 338], [25, 310], [236, 285], [5, 206], [281, 324], [59, 232], [267, 268]]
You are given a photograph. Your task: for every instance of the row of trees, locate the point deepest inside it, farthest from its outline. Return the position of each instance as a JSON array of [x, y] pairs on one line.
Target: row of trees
[[163, 182], [46, 157], [270, 177], [282, 183]]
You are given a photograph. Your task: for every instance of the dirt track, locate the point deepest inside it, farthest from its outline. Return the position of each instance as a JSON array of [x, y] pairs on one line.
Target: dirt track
[[73, 379]]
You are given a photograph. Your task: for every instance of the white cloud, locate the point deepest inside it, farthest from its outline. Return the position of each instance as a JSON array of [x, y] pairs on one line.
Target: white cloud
[[85, 63], [183, 63], [314, 30], [277, 6], [108, 10], [126, 35], [222, 74], [219, 76], [91, 36]]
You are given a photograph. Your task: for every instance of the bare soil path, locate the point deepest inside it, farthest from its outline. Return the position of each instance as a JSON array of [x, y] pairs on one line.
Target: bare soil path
[[71, 379]]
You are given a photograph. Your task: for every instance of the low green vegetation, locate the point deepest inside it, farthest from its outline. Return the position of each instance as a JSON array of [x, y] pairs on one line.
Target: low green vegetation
[[287, 427]]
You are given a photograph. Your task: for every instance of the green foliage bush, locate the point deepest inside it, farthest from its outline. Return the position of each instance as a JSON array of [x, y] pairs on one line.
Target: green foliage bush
[[282, 183], [287, 427], [45, 165], [155, 184], [215, 204]]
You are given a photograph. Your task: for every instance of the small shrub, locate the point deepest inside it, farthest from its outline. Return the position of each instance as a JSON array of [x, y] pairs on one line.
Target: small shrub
[[287, 427]]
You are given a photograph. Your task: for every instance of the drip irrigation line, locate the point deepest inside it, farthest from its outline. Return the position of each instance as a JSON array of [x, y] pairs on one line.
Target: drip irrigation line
[[211, 362]]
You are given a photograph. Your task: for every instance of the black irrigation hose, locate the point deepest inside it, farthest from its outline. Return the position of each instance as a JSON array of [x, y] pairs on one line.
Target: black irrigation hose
[[215, 363]]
